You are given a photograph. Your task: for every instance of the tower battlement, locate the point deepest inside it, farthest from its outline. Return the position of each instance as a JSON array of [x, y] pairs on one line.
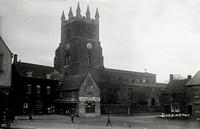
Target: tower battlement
[[79, 17]]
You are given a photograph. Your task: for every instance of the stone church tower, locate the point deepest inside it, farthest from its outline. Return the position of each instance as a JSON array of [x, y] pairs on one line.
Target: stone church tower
[[80, 43]]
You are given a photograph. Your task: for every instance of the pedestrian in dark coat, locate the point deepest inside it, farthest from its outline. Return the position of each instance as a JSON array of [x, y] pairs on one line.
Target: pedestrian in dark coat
[[30, 116], [108, 120], [72, 118]]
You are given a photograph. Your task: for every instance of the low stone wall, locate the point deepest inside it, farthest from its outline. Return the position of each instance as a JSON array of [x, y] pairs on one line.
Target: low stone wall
[[126, 109]]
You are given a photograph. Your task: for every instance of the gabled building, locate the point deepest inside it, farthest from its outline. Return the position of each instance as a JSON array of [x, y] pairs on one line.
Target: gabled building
[[193, 94], [80, 95], [175, 96], [5, 72], [33, 87]]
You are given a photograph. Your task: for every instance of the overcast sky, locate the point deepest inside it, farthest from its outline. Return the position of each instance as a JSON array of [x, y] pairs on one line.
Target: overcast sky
[[162, 36]]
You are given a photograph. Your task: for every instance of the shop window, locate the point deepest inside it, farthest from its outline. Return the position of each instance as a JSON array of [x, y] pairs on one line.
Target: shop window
[[48, 90], [175, 108], [28, 89], [1, 62], [89, 107]]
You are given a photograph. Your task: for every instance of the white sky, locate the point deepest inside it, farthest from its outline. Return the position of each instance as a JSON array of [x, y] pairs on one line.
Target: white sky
[[162, 36]]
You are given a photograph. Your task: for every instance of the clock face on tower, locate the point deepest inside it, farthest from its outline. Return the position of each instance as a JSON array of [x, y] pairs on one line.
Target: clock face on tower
[[89, 46], [67, 46]]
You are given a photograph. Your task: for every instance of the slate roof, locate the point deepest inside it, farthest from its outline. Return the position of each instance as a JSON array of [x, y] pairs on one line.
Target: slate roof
[[73, 82], [161, 85], [195, 80], [38, 71], [129, 72], [176, 86], [55, 75]]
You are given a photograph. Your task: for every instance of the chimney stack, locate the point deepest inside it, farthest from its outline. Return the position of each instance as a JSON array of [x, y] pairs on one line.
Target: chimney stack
[[189, 76], [171, 77], [15, 58]]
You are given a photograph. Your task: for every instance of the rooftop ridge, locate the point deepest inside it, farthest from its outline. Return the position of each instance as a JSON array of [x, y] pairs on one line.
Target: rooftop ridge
[[20, 62], [129, 72]]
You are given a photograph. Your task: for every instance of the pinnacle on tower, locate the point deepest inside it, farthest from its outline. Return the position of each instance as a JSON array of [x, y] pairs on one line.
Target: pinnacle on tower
[[97, 14], [78, 11], [70, 15], [88, 13], [63, 16]]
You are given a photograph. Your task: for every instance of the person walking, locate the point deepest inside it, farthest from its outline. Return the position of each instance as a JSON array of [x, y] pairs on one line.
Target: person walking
[[108, 120], [72, 118], [30, 115]]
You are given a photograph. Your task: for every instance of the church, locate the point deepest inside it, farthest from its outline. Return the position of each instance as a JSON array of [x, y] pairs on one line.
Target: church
[[87, 84]]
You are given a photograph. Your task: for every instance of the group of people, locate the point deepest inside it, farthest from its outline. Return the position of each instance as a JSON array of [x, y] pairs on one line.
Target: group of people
[[7, 117]]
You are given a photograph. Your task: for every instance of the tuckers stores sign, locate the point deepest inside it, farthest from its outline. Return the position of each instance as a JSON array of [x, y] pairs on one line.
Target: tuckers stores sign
[[89, 98]]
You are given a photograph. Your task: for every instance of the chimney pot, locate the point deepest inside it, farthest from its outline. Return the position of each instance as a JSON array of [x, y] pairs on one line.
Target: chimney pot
[[171, 77], [15, 58], [189, 76]]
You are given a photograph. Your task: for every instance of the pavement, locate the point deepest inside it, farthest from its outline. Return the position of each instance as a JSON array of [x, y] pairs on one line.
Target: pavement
[[118, 122]]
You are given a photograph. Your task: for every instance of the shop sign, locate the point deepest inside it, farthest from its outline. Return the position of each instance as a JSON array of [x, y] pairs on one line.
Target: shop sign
[[89, 98]]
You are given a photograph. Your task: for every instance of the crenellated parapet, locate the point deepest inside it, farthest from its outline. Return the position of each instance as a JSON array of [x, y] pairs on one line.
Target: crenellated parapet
[[78, 16]]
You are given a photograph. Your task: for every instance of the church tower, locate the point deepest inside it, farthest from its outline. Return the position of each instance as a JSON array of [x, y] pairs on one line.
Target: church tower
[[80, 43]]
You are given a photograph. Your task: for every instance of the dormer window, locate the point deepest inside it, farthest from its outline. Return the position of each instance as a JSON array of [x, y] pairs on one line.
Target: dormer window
[[29, 74]]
